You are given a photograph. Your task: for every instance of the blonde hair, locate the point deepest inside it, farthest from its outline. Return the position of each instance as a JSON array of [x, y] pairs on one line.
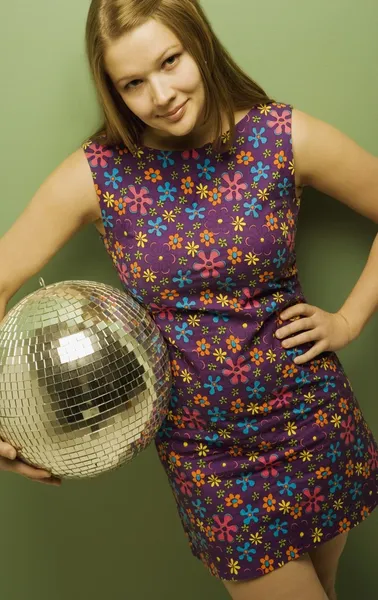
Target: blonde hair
[[227, 86]]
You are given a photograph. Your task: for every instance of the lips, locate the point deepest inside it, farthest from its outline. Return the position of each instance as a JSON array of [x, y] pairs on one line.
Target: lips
[[170, 114]]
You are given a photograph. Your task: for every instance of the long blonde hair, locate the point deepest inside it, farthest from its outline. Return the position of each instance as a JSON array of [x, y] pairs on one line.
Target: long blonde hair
[[227, 86]]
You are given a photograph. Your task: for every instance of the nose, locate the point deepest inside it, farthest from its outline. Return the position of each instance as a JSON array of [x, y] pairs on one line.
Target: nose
[[162, 94]]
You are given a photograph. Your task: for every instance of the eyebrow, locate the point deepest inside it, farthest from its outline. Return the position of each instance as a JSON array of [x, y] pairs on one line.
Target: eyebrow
[[157, 60]]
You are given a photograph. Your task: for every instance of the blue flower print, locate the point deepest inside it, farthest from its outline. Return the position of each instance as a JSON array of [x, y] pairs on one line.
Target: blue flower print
[[183, 279], [107, 219], [328, 518], [327, 383], [199, 509], [356, 491], [195, 211], [157, 227], [206, 170], [246, 482], [272, 308], [250, 514], [166, 192], [303, 379], [302, 411], [113, 179], [256, 391], [247, 425], [279, 527], [217, 415], [183, 332], [287, 486], [260, 171], [164, 157], [258, 137], [246, 552], [335, 483], [214, 440], [213, 385], [252, 207], [285, 187], [335, 453], [359, 447], [280, 259], [186, 303]]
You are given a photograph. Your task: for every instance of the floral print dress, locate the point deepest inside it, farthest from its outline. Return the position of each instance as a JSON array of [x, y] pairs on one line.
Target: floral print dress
[[266, 459]]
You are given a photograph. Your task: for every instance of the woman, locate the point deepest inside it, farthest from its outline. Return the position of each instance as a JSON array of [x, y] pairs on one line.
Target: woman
[[194, 182]]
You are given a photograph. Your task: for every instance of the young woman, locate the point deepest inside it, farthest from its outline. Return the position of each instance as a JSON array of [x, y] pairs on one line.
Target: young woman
[[194, 182]]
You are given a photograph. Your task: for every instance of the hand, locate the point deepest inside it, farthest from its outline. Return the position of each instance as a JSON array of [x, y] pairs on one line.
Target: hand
[[9, 462], [330, 331]]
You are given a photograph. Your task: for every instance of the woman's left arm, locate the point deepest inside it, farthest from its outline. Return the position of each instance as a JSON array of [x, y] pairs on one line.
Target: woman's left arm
[[331, 162]]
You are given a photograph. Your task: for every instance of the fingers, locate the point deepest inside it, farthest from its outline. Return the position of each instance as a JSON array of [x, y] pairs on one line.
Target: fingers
[[294, 327], [7, 450], [312, 353]]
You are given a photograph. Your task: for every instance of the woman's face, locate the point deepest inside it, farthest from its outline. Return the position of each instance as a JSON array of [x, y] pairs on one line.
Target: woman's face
[[154, 75]]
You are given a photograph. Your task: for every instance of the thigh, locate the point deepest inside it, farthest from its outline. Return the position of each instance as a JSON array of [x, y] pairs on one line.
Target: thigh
[[325, 559], [296, 580]]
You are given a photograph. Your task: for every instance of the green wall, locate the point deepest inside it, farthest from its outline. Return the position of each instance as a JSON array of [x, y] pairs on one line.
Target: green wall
[[119, 536]]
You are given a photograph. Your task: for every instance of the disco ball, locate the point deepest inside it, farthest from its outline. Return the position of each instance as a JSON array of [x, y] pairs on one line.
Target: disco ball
[[85, 379]]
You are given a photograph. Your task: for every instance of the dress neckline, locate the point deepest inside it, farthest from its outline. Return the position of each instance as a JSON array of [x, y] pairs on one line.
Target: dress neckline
[[238, 125]]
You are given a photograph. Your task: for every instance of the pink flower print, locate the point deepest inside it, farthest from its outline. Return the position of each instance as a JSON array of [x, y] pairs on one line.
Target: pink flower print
[[281, 398], [209, 265], [185, 484], [312, 504], [138, 202], [237, 370], [224, 528], [190, 153], [123, 273], [234, 186], [251, 301], [373, 461], [192, 419], [282, 123], [163, 312], [267, 466], [97, 155], [349, 427]]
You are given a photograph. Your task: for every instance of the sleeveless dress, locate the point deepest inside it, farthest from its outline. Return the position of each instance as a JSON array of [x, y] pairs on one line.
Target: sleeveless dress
[[266, 459]]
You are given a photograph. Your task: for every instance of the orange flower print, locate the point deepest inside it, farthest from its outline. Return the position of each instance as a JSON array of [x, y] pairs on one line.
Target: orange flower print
[[234, 255], [153, 175], [290, 218], [237, 406], [289, 371], [174, 460], [233, 344], [135, 270], [344, 525], [233, 500], [201, 400], [175, 241], [296, 511], [118, 250], [207, 297], [98, 191], [215, 196], [292, 553], [323, 473], [344, 405], [321, 418], [198, 478], [271, 222], [280, 160], [269, 503], [266, 564], [203, 347], [187, 185], [266, 276], [169, 294], [257, 356], [244, 158], [120, 206], [207, 238], [349, 469]]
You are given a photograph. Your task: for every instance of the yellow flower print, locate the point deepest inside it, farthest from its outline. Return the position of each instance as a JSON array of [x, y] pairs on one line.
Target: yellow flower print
[[284, 507], [305, 455], [169, 216], [336, 421], [202, 450], [192, 248], [317, 535], [251, 259], [186, 376], [193, 320], [220, 355], [271, 356], [263, 194], [284, 229], [239, 224], [234, 566], [223, 300], [202, 190], [213, 480], [141, 239], [278, 297], [108, 199], [291, 428], [255, 538], [149, 275]]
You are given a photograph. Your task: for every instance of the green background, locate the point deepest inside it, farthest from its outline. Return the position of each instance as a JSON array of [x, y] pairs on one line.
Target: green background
[[118, 536]]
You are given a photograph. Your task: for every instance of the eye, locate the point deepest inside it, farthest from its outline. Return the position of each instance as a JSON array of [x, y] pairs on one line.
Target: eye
[[131, 84]]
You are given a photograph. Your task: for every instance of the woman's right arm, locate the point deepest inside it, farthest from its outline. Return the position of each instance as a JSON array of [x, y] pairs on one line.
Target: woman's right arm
[[64, 204]]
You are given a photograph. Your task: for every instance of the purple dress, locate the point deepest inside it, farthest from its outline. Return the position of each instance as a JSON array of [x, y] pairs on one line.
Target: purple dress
[[266, 459]]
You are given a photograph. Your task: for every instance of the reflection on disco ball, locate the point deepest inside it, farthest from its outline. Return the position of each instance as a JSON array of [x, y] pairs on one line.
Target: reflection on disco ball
[[85, 379]]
